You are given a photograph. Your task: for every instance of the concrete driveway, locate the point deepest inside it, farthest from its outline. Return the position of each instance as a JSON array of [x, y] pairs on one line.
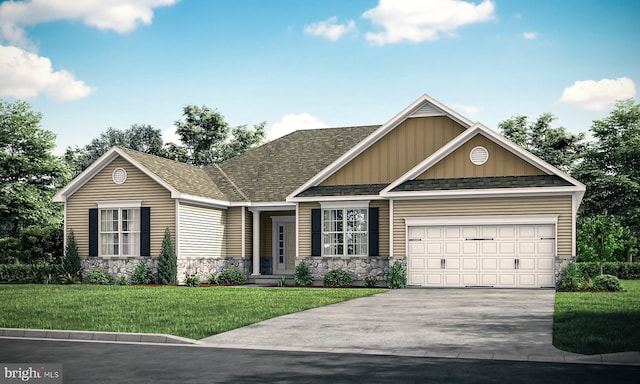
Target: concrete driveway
[[506, 323]]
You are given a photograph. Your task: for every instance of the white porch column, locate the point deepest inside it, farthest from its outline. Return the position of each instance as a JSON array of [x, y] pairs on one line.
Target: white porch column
[[256, 242]]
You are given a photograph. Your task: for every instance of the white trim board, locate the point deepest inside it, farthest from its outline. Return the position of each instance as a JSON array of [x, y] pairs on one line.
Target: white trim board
[[480, 220]]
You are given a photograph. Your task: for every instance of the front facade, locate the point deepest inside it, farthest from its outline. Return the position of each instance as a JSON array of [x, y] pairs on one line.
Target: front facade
[[454, 202]]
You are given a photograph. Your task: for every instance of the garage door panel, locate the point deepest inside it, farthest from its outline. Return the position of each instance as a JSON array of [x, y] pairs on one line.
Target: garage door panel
[[416, 248], [417, 232], [489, 247], [470, 279], [418, 263], [470, 232], [483, 255], [489, 264]]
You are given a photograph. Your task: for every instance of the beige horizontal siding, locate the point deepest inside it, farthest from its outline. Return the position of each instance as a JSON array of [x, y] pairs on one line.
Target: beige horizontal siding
[[490, 206], [234, 232], [138, 186], [304, 228], [383, 225]]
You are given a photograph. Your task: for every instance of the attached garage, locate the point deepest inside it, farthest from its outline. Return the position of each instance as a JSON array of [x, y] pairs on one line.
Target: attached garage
[[510, 252]]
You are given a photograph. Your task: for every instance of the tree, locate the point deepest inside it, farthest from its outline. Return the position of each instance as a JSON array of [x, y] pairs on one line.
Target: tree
[[71, 260], [556, 146], [143, 138], [29, 172], [611, 167], [603, 238], [206, 138], [167, 263]]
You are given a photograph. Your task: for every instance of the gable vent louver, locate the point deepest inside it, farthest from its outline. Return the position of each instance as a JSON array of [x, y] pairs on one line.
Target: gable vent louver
[[427, 109], [119, 176], [479, 155]]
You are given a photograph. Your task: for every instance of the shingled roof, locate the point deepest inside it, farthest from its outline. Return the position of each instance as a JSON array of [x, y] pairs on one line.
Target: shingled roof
[[185, 178], [269, 173], [482, 183]]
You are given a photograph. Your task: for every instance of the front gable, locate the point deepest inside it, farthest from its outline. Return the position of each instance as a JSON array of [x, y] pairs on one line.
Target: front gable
[[499, 162], [398, 151]]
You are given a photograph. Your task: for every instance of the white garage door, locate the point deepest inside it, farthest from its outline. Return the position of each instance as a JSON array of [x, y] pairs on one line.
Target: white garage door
[[516, 256]]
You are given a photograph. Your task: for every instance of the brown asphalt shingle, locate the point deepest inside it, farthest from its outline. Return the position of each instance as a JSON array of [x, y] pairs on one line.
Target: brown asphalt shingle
[[268, 173]]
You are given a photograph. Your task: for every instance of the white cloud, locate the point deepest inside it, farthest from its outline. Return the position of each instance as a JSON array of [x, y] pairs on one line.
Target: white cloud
[[530, 35], [330, 29], [598, 95], [169, 135], [418, 21], [294, 122], [24, 75], [119, 15], [469, 109]]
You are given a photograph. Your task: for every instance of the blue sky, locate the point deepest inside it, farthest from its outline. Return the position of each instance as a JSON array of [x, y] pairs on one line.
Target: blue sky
[[95, 64]]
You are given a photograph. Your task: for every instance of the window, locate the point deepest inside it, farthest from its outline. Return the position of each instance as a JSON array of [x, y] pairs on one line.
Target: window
[[345, 231], [119, 231]]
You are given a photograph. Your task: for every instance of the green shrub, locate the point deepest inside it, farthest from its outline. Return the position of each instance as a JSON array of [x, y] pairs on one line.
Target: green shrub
[[191, 280], [167, 263], [607, 283], [337, 278], [232, 277], [30, 273], [70, 278], [97, 276], [396, 277], [621, 269], [302, 275], [121, 280], [571, 278], [212, 279], [41, 244], [9, 250], [142, 274], [71, 260], [282, 282], [370, 281]]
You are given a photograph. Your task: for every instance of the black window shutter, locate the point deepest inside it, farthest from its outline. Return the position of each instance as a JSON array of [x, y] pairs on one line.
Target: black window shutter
[[93, 232], [316, 232], [374, 226], [145, 231]]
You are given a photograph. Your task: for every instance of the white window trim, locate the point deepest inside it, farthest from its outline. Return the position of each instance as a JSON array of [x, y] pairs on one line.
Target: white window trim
[[344, 205], [119, 205]]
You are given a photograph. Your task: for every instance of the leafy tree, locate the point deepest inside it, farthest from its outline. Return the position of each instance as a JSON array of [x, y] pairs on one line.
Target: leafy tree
[[41, 244], [556, 146], [602, 238], [207, 137], [611, 167], [143, 138], [71, 260], [167, 264], [29, 172]]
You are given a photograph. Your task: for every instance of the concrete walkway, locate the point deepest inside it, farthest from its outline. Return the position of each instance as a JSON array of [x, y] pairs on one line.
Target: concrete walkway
[[493, 324]]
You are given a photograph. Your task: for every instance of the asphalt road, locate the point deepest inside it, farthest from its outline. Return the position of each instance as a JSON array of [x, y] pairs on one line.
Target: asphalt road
[[90, 362]]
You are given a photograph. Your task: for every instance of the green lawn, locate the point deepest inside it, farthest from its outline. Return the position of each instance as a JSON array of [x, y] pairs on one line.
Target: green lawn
[[182, 311], [590, 323]]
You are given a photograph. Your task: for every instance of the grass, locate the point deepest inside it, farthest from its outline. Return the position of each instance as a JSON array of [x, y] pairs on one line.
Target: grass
[[189, 312], [591, 323]]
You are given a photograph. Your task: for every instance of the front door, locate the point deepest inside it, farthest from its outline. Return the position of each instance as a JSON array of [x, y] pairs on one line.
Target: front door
[[284, 245]]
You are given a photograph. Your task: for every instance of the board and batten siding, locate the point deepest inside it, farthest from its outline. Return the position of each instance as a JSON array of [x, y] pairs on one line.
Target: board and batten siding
[[138, 186], [234, 232], [501, 162], [201, 231], [397, 152], [559, 205]]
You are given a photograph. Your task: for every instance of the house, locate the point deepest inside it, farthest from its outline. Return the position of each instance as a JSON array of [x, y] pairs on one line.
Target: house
[[454, 202]]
